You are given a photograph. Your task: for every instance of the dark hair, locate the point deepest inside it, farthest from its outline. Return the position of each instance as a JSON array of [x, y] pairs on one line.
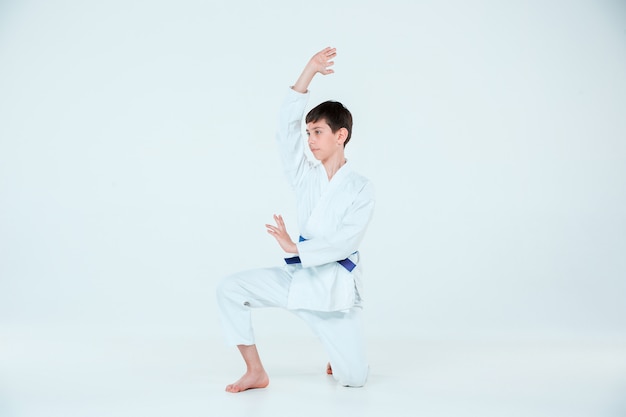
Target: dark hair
[[335, 115]]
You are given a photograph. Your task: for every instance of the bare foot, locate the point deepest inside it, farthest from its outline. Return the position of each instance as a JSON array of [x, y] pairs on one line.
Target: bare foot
[[250, 380], [329, 369]]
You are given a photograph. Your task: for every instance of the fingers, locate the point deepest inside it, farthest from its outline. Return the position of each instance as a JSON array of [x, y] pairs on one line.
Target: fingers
[[279, 221], [327, 70], [329, 52], [326, 55], [279, 232], [279, 228], [320, 62], [275, 231]]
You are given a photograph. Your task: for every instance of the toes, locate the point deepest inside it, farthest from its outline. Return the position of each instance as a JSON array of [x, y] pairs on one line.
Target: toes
[[232, 388]]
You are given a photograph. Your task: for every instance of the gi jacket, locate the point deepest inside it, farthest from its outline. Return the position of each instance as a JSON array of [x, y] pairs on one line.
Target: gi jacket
[[332, 216]]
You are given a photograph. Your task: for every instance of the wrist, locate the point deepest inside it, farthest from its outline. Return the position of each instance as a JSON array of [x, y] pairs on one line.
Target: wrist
[[302, 85]]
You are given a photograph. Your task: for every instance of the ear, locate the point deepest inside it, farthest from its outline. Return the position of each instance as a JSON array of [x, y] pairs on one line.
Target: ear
[[342, 135]]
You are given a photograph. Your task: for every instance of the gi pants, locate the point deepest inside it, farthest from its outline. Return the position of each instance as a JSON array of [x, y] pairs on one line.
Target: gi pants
[[340, 332]]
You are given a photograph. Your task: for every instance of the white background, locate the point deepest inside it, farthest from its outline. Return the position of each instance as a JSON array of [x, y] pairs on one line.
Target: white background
[[138, 164]]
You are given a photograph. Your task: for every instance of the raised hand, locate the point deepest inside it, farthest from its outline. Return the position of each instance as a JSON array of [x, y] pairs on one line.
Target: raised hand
[[322, 60], [280, 234], [319, 63]]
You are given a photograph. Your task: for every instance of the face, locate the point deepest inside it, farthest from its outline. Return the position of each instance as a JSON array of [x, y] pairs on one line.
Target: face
[[322, 141]]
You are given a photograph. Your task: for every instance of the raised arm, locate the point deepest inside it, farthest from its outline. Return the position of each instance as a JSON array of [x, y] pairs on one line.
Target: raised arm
[[289, 135], [318, 63]]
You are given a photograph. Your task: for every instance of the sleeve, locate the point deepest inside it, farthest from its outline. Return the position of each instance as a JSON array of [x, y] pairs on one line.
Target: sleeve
[[289, 136], [346, 240]]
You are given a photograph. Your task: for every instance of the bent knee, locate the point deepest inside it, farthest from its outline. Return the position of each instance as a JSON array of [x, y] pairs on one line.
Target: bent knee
[[355, 378]]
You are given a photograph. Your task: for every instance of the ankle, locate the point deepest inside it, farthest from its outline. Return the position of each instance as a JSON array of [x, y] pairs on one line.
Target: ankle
[[255, 370]]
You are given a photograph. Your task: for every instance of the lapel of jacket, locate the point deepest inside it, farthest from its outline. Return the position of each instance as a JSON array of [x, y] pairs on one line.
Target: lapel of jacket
[[320, 211]]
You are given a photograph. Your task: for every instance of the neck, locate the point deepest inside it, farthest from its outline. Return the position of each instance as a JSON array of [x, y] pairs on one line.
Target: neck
[[333, 164]]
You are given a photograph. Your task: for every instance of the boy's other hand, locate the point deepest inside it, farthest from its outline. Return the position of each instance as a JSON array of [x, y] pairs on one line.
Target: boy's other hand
[[280, 234]]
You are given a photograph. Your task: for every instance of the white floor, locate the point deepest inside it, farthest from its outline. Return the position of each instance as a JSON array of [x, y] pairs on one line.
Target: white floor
[[78, 372]]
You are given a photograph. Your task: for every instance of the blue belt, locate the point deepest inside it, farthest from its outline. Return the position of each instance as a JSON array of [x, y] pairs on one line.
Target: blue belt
[[346, 263]]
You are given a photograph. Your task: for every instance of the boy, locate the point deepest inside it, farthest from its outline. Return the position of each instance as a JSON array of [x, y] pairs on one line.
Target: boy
[[321, 283]]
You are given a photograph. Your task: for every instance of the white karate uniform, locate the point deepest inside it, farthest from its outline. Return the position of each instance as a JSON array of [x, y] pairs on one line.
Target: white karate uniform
[[332, 217]]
